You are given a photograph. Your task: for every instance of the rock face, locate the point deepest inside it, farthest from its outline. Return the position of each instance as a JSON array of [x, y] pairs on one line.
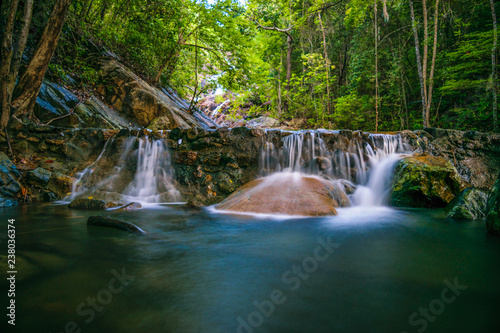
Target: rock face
[[39, 176], [146, 105], [475, 155], [493, 209], [9, 186], [288, 194], [425, 181], [470, 204]]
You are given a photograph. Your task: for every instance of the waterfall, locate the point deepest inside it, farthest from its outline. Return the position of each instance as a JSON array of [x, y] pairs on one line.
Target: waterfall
[[153, 178], [139, 170], [365, 161]]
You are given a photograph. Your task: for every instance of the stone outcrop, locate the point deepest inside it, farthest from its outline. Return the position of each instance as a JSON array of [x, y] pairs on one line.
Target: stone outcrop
[[470, 204], [493, 209], [9, 185], [142, 103], [288, 194], [63, 108], [475, 155], [425, 181]]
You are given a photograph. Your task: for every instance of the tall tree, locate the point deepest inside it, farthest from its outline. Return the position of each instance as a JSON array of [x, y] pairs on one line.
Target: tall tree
[[426, 83], [11, 55], [493, 64], [29, 84]]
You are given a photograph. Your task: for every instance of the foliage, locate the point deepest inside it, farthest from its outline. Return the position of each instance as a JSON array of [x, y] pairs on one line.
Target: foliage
[[196, 45]]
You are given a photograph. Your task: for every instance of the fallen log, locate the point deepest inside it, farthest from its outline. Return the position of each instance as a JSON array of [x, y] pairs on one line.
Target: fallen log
[[106, 221]]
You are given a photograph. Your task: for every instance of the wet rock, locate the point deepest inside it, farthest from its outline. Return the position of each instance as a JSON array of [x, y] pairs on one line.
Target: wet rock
[[470, 204], [286, 193], [9, 186], [323, 163], [226, 184], [425, 181], [60, 184], [39, 176], [126, 207], [48, 196], [6, 202], [106, 221], [94, 113], [54, 101], [185, 157], [87, 204], [493, 209], [193, 203]]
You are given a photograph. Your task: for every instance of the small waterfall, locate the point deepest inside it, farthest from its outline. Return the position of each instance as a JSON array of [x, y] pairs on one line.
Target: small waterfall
[[153, 179], [365, 160], [78, 188], [141, 172]]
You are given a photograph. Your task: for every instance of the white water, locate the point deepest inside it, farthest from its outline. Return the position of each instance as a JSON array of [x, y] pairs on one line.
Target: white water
[[152, 180], [153, 176], [367, 163]]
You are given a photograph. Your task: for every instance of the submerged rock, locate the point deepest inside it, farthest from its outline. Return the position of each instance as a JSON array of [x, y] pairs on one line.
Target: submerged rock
[[469, 205], [87, 204], [425, 181], [288, 194], [106, 221], [493, 209]]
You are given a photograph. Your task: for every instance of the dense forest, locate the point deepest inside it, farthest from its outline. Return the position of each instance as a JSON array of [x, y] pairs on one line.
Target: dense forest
[[359, 64]]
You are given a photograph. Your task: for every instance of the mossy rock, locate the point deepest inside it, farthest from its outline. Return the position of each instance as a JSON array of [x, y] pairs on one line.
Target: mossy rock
[[425, 182], [470, 204], [493, 209]]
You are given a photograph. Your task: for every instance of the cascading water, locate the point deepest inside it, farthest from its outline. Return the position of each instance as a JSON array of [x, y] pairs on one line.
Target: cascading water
[[365, 161], [142, 173], [153, 179]]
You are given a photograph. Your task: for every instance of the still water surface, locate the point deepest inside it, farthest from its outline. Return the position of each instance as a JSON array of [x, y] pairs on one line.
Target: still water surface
[[210, 272]]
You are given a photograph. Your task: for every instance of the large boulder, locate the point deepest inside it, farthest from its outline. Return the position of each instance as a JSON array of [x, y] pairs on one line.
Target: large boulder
[[425, 181], [493, 209], [54, 101], [39, 176], [138, 101], [470, 204], [288, 194], [9, 186]]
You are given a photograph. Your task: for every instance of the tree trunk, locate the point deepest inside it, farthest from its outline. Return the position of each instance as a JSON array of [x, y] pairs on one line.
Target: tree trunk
[[327, 66], [426, 51], [493, 64], [419, 64], [376, 65], [433, 64], [21, 45], [6, 58], [289, 42], [29, 85]]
